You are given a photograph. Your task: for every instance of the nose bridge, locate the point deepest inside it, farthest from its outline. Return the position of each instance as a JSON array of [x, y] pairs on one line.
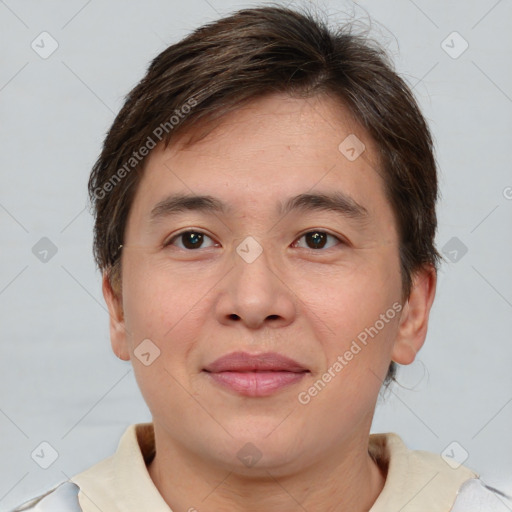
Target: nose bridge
[[254, 265], [254, 292]]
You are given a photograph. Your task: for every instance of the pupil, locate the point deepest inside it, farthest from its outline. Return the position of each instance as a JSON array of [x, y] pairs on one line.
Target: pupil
[[318, 239], [192, 240]]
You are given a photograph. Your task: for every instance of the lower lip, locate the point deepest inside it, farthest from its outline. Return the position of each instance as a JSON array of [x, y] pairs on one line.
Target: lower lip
[[256, 383]]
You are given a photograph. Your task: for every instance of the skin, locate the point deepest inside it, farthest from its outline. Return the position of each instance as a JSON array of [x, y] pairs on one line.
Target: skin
[[309, 304]]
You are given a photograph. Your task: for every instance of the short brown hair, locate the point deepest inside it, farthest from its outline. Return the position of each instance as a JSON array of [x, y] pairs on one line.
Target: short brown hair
[[248, 54]]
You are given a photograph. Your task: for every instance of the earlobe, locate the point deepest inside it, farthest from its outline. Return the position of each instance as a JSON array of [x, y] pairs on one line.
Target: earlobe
[[412, 329], [117, 325]]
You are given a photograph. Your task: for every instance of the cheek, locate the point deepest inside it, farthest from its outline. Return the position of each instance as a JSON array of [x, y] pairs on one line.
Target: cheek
[[160, 309], [345, 302], [156, 298], [169, 308], [355, 315], [357, 361]]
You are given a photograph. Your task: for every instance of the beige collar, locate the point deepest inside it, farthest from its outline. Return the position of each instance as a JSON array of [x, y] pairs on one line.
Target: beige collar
[[416, 481]]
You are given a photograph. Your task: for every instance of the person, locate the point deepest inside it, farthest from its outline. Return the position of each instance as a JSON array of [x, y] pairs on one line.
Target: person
[[265, 216]]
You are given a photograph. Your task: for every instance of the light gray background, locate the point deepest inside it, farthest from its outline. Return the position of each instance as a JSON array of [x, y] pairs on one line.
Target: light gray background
[[60, 382]]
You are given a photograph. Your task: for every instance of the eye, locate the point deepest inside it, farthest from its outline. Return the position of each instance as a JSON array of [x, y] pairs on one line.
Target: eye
[[317, 240], [190, 240]]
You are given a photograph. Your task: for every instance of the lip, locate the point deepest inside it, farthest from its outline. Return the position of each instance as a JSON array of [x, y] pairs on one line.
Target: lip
[[245, 362], [255, 374]]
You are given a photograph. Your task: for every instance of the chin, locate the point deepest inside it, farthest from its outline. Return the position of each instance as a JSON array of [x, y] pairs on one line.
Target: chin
[[257, 445]]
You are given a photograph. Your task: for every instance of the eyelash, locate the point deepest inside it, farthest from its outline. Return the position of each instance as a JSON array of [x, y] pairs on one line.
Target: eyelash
[[197, 231]]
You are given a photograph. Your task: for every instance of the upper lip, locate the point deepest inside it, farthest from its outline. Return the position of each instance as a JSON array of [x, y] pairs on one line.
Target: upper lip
[[245, 362]]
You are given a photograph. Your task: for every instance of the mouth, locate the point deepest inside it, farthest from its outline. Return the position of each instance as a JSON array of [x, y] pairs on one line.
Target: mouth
[[255, 375]]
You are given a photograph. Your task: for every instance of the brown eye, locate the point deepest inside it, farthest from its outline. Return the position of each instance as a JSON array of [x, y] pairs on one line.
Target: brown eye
[[317, 239], [190, 240]]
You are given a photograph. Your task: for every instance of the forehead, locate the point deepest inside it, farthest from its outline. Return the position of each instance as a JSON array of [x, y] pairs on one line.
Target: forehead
[[266, 151], [320, 123]]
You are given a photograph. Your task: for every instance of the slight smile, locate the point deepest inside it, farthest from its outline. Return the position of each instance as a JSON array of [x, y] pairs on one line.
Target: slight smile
[[255, 375]]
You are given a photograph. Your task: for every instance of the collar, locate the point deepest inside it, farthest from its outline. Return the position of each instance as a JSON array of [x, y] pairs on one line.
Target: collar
[[416, 481]]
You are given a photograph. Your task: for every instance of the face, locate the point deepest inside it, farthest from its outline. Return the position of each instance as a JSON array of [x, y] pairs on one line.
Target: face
[[269, 312]]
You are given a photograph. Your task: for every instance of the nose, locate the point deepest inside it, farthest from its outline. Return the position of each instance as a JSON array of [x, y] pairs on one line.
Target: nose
[[255, 293]]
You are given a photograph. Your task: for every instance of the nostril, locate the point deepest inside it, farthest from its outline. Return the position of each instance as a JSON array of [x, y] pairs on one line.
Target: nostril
[[234, 317]]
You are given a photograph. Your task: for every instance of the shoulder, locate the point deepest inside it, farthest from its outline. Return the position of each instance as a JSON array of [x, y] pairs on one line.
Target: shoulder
[[96, 481], [416, 480], [121, 480], [475, 496], [400, 461], [63, 498]]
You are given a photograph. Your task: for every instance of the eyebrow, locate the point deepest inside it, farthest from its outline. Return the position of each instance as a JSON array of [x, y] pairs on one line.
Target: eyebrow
[[329, 202], [177, 203], [335, 201]]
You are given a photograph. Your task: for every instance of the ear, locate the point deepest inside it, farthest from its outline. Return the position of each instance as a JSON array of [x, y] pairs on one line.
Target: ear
[[412, 329], [117, 326]]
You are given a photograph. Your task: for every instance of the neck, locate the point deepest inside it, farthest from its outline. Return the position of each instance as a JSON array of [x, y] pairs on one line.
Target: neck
[[342, 480]]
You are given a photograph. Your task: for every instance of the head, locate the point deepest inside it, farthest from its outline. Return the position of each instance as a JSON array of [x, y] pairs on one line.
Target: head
[[254, 109]]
